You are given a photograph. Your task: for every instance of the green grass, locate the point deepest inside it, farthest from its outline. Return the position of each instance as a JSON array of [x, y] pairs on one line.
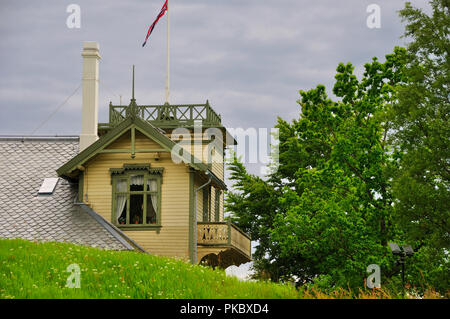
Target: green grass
[[38, 270]]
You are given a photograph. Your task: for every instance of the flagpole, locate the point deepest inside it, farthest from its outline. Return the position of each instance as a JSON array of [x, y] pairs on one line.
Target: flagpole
[[168, 60]]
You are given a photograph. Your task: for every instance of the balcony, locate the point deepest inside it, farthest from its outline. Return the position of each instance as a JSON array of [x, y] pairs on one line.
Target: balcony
[[165, 116], [222, 244]]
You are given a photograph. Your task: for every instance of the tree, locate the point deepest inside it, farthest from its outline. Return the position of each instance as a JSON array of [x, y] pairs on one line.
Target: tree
[[422, 131], [327, 211]]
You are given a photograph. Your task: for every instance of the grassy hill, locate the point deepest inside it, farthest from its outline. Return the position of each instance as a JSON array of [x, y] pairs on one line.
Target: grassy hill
[[38, 270]]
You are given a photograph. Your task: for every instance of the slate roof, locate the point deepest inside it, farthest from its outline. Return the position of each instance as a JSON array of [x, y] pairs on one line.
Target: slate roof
[[24, 163]]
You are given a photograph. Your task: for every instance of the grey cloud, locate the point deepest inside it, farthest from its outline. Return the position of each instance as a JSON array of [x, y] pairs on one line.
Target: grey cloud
[[249, 58]]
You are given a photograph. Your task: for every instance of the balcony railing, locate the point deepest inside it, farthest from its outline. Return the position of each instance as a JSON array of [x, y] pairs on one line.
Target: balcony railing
[[223, 234], [168, 115]]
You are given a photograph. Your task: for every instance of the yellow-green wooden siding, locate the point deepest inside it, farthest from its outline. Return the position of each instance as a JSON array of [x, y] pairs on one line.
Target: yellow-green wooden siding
[[173, 237]]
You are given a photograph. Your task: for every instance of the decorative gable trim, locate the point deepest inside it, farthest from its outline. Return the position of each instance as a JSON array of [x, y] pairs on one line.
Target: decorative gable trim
[[131, 123], [69, 170], [136, 167]]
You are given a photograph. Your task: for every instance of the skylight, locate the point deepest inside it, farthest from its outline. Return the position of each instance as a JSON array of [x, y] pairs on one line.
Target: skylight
[[48, 186]]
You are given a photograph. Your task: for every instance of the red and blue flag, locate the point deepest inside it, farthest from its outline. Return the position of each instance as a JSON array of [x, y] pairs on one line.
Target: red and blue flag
[[152, 26]]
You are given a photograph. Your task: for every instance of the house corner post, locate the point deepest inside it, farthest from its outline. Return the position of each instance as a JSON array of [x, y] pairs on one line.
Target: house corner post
[[192, 244]]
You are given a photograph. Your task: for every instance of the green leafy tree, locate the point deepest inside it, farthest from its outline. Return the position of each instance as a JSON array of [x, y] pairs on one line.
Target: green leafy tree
[[422, 131], [326, 213]]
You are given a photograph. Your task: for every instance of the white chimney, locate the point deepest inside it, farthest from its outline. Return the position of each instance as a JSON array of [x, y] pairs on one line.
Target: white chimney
[[89, 113]]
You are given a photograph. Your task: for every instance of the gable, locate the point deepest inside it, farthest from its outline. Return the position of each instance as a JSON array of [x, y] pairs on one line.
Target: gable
[[122, 142], [142, 142], [122, 139]]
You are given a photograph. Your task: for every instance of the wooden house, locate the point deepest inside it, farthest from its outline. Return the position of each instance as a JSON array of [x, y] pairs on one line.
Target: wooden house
[[153, 176]]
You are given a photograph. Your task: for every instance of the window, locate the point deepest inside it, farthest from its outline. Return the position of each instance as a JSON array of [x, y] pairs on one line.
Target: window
[[206, 204], [136, 198], [48, 186], [217, 205]]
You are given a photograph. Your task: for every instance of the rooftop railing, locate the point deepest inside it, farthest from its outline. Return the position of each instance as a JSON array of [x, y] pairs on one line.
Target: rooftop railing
[[168, 115]]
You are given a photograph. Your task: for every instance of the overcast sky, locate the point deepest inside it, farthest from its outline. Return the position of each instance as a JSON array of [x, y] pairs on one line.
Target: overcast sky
[[249, 57]]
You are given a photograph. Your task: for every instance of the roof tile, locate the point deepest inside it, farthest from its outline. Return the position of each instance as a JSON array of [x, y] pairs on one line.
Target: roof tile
[[23, 214]]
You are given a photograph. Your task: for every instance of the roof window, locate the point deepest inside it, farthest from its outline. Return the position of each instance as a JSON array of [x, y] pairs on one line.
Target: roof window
[[48, 186]]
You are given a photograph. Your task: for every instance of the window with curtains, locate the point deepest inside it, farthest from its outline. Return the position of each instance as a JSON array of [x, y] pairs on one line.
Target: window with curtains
[[136, 199]]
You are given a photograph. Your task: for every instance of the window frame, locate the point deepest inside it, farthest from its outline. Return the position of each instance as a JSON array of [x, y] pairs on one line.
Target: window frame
[[207, 204], [125, 174]]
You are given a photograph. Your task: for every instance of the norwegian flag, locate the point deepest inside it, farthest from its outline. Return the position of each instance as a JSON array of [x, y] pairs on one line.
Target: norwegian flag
[[161, 13]]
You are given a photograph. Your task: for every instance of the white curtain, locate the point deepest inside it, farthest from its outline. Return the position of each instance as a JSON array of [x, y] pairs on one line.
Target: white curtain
[[137, 180], [121, 186], [152, 186]]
